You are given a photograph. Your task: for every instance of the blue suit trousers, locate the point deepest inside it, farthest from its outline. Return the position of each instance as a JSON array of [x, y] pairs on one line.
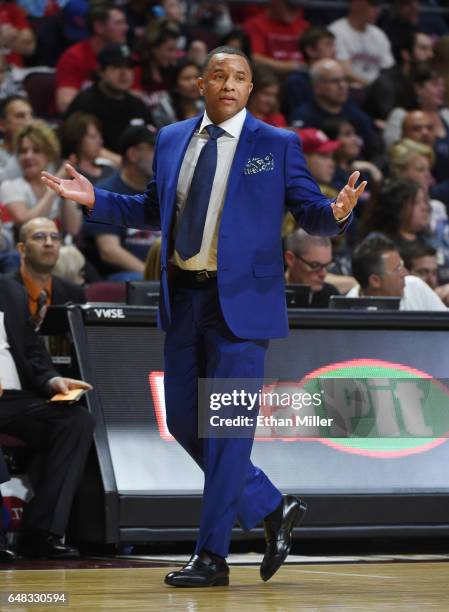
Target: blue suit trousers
[[199, 344]]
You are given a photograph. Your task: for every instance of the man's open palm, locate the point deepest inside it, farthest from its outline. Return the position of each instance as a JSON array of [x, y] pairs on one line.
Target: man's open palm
[[77, 188]]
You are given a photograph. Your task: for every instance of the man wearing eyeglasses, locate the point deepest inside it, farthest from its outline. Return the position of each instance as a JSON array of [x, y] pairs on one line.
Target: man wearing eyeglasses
[[308, 259], [39, 244]]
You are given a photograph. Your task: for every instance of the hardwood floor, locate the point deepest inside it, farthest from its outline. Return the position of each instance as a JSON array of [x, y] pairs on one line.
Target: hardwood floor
[[326, 587]]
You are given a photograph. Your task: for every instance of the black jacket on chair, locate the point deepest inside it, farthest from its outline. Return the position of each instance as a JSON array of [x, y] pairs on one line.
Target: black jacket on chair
[[62, 291], [32, 360]]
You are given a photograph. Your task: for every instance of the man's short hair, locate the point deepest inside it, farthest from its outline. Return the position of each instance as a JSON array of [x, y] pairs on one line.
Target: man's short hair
[[299, 241], [367, 258], [415, 250], [25, 228], [135, 135], [9, 100], [312, 37], [316, 70], [228, 51], [99, 12]]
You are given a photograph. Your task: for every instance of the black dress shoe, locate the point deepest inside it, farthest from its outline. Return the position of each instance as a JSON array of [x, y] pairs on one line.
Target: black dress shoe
[[203, 570], [278, 535], [6, 555], [39, 544]]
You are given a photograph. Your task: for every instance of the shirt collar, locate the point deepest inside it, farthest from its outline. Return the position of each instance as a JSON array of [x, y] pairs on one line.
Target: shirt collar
[[32, 288], [232, 126]]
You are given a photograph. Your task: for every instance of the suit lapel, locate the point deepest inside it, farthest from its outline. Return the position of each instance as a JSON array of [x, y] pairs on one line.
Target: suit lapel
[[243, 152], [179, 148]]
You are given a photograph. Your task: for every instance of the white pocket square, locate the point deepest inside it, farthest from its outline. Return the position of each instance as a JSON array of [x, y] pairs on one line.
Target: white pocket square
[[259, 164]]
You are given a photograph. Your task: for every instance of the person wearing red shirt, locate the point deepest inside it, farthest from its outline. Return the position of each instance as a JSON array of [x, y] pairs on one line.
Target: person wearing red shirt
[[274, 35], [15, 33], [78, 63]]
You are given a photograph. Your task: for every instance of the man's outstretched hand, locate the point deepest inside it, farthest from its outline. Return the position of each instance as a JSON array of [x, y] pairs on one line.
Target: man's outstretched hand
[[348, 196], [77, 187]]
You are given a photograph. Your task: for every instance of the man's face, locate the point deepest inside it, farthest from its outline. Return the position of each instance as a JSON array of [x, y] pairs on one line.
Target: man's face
[[371, 11], [17, 114], [426, 267], [423, 48], [324, 49], [332, 86], [418, 126], [321, 166], [409, 11], [141, 156], [226, 86], [173, 10], [392, 280], [115, 28], [310, 268], [431, 93], [117, 78], [40, 250]]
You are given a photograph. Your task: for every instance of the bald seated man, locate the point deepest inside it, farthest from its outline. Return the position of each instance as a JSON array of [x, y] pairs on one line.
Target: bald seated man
[[39, 245]]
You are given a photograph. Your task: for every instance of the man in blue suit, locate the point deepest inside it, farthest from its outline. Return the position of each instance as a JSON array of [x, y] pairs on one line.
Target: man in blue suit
[[220, 187]]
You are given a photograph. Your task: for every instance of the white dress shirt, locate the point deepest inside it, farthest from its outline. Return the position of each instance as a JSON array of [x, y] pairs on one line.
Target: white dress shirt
[[9, 376], [417, 295], [206, 259]]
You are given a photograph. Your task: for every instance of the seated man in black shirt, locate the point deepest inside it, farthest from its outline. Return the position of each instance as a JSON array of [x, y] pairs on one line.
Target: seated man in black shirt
[[109, 99], [119, 253], [60, 432], [307, 259]]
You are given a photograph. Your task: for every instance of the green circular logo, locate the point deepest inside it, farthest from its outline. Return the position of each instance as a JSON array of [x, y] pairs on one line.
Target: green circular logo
[[387, 409]]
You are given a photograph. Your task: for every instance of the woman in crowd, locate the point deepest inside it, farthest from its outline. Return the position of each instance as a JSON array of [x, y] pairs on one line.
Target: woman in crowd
[[401, 211], [37, 148], [264, 99], [158, 53], [413, 160], [83, 145], [348, 156], [184, 100]]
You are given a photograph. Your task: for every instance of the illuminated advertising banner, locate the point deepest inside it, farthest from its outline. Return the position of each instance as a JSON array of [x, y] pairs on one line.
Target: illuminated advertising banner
[[128, 367]]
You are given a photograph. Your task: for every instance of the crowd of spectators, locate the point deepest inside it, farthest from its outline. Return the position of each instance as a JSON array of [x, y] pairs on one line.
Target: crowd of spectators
[[365, 86]]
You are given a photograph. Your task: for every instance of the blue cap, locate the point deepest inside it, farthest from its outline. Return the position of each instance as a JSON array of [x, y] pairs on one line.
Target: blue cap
[[74, 16]]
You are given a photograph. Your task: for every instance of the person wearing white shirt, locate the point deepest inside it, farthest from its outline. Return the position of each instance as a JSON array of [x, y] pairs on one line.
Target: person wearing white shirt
[[380, 271], [363, 48]]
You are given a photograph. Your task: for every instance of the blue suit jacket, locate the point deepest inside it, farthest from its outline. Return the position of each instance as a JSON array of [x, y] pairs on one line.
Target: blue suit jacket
[[250, 257]]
